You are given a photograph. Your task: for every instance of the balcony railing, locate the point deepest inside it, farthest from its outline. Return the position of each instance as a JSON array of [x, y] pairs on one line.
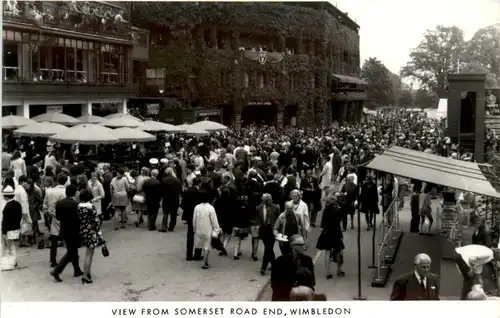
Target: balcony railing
[[96, 22]]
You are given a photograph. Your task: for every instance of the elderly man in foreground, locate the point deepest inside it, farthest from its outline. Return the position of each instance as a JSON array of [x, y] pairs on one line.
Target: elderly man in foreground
[[420, 284]]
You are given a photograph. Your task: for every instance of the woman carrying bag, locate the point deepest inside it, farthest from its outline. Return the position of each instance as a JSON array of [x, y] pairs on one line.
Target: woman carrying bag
[[90, 233]]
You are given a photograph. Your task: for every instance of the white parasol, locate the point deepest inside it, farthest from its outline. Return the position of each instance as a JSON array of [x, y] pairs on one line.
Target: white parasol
[[14, 122], [156, 126], [195, 131], [91, 119], [40, 130], [122, 115], [57, 118], [209, 125], [126, 134], [122, 121], [86, 134]]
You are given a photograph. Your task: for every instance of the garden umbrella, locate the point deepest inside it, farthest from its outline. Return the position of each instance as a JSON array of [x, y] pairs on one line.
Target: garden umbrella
[[123, 121], [86, 134], [156, 126], [91, 119], [122, 115], [126, 134], [195, 131], [209, 125], [40, 130], [14, 122], [57, 118]]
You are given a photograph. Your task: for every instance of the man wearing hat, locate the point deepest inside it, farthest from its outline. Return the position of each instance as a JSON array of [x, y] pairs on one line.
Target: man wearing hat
[[11, 228]]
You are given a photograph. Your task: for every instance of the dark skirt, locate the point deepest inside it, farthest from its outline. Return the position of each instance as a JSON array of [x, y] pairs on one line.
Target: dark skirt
[[328, 241]]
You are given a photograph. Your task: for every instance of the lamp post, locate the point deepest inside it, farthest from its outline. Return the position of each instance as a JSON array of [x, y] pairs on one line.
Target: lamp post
[[359, 296]]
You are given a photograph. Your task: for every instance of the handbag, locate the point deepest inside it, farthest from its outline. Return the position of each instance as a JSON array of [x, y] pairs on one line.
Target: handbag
[[138, 199], [105, 250]]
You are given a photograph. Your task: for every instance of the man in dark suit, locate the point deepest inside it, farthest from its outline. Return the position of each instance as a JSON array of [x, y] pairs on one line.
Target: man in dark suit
[[172, 189], [349, 190], [273, 187], [420, 284], [190, 199], [67, 214], [153, 192], [312, 193], [267, 215]]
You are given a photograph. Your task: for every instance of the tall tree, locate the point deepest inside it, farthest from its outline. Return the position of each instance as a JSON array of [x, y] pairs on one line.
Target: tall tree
[[379, 91], [476, 67], [397, 86], [482, 53], [436, 55], [425, 99], [406, 96]]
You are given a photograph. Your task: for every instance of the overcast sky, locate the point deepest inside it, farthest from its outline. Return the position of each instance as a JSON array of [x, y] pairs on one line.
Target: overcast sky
[[391, 28]]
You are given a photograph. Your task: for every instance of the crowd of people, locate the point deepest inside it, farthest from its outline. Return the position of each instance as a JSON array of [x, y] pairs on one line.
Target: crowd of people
[[259, 182]]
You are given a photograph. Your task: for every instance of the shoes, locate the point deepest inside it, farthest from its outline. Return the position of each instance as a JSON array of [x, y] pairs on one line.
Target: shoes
[[255, 258], [205, 266], [189, 258], [262, 272], [236, 257], [52, 265], [223, 253], [329, 276], [162, 230], [78, 273], [56, 276], [86, 280]]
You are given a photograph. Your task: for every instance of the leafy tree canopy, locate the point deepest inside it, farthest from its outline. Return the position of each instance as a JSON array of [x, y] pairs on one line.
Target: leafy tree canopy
[[436, 55], [425, 99], [482, 54], [380, 87], [406, 98]]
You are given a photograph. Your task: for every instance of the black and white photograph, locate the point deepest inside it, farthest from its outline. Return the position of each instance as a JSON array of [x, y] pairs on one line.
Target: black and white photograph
[[219, 151]]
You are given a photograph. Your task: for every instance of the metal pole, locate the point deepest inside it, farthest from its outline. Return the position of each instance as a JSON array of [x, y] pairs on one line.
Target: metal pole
[[374, 228], [360, 293]]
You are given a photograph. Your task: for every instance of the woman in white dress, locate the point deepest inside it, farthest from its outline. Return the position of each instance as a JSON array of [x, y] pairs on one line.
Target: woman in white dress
[[205, 226], [17, 165]]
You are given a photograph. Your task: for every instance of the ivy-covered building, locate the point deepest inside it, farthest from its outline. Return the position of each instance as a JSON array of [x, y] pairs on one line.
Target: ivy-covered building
[[240, 63]]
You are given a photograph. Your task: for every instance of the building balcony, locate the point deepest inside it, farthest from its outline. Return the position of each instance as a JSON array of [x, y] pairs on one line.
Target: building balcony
[[13, 92], [57, 17]]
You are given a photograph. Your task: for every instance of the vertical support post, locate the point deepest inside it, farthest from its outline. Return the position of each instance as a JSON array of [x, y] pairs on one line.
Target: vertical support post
[[86, 109], [122, 108], [23, 110]]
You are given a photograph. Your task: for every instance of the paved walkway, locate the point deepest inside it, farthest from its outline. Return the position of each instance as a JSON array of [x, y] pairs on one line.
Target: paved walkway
[[142, 266]]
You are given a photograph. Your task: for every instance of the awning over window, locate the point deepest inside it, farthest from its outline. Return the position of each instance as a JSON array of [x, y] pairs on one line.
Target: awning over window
[[348, 79], [456, 174]]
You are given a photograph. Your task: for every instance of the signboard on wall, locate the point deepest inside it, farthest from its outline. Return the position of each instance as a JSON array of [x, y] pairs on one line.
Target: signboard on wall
[[152, 109], [254, 103], [54, 109], [208, 113]]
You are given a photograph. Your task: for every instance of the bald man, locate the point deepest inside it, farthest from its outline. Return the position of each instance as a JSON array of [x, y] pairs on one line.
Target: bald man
[[420, 284]]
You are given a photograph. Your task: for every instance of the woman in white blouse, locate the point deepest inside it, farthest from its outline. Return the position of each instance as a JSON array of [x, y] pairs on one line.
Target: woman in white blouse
[[97, 190], [300, 208], [17, 165]]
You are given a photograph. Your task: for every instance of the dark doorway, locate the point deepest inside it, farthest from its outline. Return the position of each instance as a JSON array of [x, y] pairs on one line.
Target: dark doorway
[[227, 114], [468, 113], [36, 110], [72, 110], [259, 115], [291, 111]]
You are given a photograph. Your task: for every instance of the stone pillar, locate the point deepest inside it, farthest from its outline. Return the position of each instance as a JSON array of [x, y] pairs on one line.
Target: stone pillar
[[281, 108], [342, 113], [360, 110], [86, 109], [122, 107], [301, 114], [23, 110]]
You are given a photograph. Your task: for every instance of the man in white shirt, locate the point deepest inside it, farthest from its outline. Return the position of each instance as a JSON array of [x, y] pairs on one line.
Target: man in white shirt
[[325, 179]]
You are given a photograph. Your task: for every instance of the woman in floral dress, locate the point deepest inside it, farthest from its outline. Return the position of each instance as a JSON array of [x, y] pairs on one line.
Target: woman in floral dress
[[90, 231]]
